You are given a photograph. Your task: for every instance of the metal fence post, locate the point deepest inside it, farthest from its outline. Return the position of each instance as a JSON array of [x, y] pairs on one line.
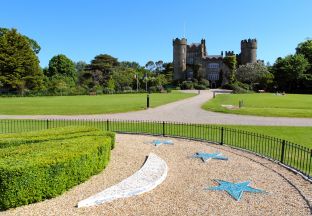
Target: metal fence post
[[147, 101], [283, 151], [47, 123], [163, 128], [107, 125], [222, 135]]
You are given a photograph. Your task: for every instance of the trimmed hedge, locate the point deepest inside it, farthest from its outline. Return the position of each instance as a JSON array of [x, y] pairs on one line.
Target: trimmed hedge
[[41, 165]]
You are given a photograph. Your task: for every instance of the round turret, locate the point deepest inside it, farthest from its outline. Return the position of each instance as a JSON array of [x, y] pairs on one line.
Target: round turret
[[248, 51], [179, 58]]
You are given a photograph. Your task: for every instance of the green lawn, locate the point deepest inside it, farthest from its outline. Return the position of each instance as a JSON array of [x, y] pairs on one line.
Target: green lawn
[[268, 104], [75, 105], [298, 135]]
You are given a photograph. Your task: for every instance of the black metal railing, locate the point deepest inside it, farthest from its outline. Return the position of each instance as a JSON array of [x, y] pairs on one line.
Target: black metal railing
[[290, 154]]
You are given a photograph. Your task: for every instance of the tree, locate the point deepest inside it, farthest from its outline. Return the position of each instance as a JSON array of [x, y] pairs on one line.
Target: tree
[[305, 48], [159, 66], [33, 44], [80, 66], [61, 65], [289, 71], [19, 65], [168, 71], [150, 65], [124, 78], [254, 74], [100, 70], [133, 65]]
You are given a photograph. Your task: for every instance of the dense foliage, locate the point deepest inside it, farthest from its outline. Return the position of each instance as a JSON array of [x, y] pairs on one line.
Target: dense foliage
[[256, 75], [21, 74], [38, 165], [19, 65]]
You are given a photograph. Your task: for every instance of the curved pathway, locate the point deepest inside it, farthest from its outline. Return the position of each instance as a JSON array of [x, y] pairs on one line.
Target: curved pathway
[[188, 111]]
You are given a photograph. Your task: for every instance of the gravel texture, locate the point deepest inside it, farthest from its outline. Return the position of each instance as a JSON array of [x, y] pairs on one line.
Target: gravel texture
[[182, 193], [187, 110]]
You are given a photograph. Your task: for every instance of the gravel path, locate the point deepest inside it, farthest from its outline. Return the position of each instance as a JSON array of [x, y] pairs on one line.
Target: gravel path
[[182, 193], [188, 110]]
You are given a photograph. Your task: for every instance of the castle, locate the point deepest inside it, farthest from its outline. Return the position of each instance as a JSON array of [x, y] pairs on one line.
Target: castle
[[193, 61]]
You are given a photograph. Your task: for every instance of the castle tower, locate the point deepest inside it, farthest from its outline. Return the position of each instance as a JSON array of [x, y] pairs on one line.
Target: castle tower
[[203, 48], [179, 58], [248, 51]]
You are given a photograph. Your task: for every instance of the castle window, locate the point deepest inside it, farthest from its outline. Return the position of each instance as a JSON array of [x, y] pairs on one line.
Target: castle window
[[213, 65], [183, 50]]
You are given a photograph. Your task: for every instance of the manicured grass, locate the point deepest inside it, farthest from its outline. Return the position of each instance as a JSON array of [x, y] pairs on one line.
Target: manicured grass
[[75, 105], [298, 135], [267, 104]]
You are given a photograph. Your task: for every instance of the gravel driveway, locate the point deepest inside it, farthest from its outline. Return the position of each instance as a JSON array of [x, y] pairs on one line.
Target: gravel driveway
[[182, 192]]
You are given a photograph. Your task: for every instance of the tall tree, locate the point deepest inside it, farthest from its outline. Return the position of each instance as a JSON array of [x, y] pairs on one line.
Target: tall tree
[[19, 65], [100, 70], [33, 44], [62, 65], [253, 74], [305, 48], [289, 71], [150, 65], [159, 66]]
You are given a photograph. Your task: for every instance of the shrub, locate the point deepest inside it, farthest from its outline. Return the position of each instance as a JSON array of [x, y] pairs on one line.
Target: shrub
[[55, 161], [237, 87], [169, 90], [205, 83], [108, 91], [187, 85], [199, 86]]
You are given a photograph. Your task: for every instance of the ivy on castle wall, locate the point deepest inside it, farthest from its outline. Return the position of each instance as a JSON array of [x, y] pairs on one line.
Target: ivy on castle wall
[[231, 62]]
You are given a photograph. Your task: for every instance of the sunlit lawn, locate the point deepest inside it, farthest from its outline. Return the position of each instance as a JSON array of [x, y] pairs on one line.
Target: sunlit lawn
[[268, 104], [74, 105]]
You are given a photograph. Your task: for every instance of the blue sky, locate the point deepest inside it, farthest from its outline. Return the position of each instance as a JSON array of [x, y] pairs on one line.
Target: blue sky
[[142, 30]]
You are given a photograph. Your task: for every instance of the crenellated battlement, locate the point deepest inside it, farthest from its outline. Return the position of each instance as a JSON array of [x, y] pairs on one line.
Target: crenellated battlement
[[178, 41], [250, 43], [229, 53]]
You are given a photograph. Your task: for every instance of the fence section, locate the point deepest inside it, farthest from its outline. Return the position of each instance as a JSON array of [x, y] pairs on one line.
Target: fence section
[[288, 153]]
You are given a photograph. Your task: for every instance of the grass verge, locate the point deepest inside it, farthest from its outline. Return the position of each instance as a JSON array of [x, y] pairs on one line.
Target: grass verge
[[267, 104]]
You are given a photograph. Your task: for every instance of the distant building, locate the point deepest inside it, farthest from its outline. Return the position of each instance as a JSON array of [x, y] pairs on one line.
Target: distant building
[[192, 60]]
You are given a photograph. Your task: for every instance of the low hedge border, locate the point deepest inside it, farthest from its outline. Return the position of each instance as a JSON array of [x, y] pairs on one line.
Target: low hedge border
[[36, 171]]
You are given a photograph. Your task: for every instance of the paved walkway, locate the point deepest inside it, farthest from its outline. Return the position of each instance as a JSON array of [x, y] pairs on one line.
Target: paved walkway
[[188, 110]]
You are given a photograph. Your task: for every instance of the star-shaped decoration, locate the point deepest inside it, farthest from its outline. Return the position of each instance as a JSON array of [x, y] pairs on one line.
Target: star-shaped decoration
[[207, 156], [235, 189], [162, 142]]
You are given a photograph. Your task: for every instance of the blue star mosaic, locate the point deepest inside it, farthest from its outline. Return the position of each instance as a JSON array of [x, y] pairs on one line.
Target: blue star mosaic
[[208, 156], [235, 189], [162, 142]]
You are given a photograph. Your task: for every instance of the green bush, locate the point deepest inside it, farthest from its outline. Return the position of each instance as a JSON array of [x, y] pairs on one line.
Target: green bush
[[199, 86], [55, 161], [205, 83], [237, 87], [187, 85]]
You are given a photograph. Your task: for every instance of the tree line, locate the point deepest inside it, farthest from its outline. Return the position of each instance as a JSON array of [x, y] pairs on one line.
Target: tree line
[[20, 72]]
